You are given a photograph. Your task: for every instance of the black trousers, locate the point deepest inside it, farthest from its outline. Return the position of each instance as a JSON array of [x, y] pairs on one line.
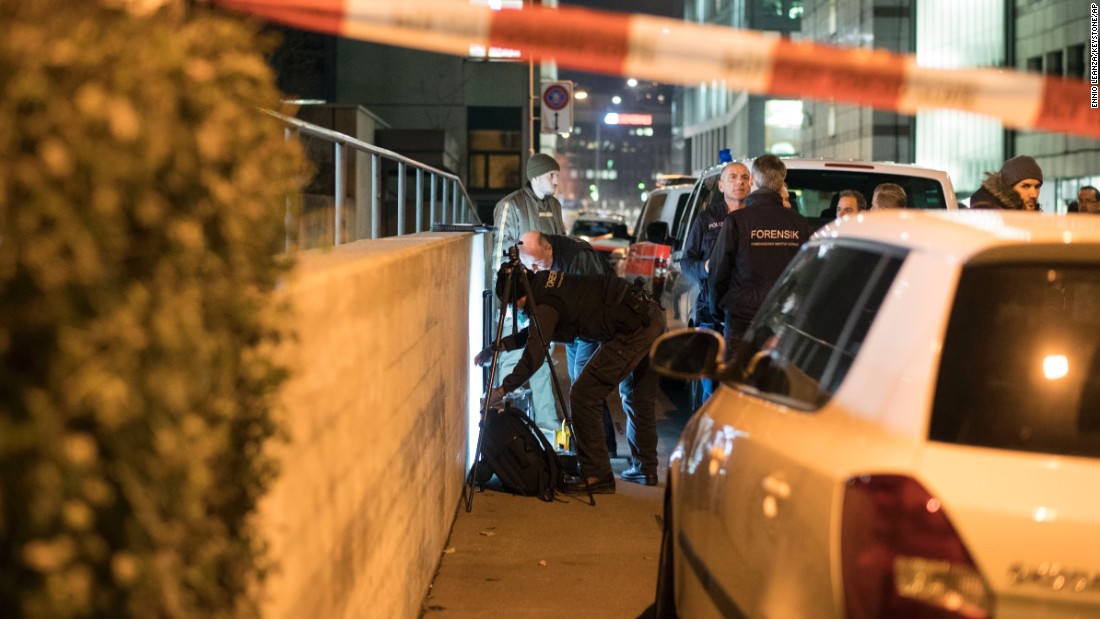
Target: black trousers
[[624, 361]]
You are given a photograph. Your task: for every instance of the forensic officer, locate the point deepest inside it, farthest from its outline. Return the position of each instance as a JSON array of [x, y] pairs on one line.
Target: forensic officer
[[754, 247], [557, 252], [626, 322]]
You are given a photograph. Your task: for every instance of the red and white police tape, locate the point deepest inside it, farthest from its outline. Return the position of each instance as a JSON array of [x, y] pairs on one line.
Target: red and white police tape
[[677, 52]]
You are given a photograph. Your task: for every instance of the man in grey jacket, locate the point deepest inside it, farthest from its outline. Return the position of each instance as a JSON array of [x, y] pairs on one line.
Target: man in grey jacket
[[532, 207]]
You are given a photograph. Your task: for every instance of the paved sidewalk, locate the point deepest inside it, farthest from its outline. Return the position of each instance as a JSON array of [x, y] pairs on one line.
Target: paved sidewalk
[[515, 556]]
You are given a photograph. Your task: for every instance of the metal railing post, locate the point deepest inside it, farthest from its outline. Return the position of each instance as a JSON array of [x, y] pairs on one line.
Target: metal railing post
[[419, 200], [431, 205], [338, 190], [288, 134], [400, 198], [454, 203], [443, 188], [375, 187]]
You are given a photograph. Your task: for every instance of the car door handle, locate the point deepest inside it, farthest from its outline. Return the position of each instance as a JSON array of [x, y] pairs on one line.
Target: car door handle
[[776, 487]]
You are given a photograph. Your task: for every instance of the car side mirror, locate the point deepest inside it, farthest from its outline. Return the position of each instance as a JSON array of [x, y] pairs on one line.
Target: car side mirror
[[688, 354], [657, 232]]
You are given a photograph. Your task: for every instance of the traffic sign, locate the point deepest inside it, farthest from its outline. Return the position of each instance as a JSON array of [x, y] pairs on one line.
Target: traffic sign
[[557, 107]]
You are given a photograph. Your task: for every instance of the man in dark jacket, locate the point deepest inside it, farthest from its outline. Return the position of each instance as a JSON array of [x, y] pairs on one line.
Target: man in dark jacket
[[755, 245], [557, 252], [734, 183], [1015, 186], [626, 322]]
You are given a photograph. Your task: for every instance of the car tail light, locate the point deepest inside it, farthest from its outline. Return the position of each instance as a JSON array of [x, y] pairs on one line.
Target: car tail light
[[901, 557], [660, 270]]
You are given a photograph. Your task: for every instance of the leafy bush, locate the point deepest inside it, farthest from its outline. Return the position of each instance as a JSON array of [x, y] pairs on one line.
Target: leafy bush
[[142, 194]]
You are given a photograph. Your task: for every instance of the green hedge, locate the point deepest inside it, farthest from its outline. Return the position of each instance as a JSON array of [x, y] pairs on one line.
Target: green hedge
[[142, 197]]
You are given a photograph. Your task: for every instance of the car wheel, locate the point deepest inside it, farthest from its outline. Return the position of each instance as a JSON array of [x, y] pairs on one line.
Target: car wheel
[[664, 607]]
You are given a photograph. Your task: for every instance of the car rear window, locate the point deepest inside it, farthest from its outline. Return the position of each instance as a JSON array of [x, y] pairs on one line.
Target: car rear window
[[812, 191], [593, 228], [1020, 366]]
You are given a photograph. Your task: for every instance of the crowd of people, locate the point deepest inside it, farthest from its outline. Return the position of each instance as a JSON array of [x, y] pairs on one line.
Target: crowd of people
[[735, 250]]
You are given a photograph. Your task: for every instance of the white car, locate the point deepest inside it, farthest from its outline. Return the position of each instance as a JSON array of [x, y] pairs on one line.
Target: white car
[[911, 428]]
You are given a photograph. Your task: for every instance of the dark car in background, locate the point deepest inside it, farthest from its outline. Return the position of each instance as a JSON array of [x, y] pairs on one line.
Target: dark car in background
[[608, 235]]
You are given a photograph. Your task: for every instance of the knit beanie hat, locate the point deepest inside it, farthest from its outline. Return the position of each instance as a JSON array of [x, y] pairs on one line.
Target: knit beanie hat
[[1018, 168], [539, 164]]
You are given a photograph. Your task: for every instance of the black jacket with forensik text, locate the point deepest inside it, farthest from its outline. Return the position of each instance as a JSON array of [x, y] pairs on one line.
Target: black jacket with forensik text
[[755, 246]]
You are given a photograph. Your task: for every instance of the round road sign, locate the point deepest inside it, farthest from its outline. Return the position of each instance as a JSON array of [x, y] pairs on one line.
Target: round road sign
[[556, 97]]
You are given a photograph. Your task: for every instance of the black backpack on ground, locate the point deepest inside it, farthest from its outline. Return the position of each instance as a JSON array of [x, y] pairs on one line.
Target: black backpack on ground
[[515, 450]]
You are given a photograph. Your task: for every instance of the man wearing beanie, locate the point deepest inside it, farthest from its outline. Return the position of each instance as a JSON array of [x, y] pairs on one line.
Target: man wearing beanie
[[532, 207], [1015, 186]]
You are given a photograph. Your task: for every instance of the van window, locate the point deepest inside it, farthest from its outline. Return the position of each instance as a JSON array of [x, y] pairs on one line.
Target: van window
[[678, 212], [812, 191], [706, 190], [810, 328], [1020, 366], [651, 212]]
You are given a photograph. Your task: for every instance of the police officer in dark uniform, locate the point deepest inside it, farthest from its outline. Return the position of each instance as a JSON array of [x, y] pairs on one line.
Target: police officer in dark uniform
[[734, 184], [625, 321], [557, 252], [755, 245]]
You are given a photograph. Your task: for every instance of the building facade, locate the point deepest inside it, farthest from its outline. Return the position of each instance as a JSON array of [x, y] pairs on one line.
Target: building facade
[[1044, 36], [713, 116], [621, 140]]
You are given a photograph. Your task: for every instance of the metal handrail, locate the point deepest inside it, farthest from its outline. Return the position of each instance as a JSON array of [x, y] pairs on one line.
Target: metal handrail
[[450, 211]]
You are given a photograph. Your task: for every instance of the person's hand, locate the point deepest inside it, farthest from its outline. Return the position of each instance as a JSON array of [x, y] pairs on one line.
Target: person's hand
[[485, 357], [496, 396]]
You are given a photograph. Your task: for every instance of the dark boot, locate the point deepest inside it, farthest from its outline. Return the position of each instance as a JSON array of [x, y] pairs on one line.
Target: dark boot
[[575, 485]]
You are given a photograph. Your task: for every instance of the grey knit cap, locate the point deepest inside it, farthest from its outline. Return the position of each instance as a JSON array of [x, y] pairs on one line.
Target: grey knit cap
[[1018, 168], [539, 164]]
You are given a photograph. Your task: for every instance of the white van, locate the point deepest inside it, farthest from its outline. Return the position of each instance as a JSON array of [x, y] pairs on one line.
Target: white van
[[667, 204], [813, 185]]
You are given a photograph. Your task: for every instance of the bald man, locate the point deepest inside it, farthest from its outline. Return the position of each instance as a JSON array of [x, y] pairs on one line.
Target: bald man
[[557, 252], [734, 184]]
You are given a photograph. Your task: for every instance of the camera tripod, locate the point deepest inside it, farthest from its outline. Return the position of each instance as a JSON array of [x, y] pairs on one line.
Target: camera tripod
[[516, 280]]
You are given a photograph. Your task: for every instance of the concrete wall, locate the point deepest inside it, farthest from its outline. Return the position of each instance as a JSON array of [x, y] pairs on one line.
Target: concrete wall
[[377, 417]]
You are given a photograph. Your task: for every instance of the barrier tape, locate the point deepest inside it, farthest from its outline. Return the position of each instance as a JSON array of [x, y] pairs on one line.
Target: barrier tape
[[678, 52]]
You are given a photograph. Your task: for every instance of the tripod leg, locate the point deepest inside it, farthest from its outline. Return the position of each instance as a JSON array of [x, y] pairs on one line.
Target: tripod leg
[[471, 480]]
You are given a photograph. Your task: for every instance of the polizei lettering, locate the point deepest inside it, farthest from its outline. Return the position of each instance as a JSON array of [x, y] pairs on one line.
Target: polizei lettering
[[774, 234]]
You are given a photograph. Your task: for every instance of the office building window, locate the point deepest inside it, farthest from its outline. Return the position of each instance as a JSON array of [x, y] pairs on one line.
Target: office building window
[[1075, 61], [1054, 63]]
